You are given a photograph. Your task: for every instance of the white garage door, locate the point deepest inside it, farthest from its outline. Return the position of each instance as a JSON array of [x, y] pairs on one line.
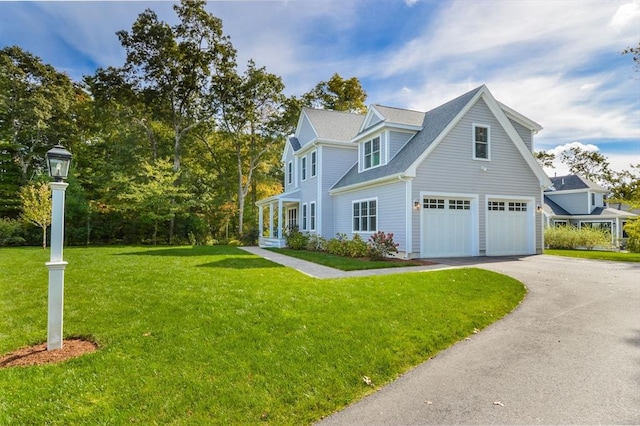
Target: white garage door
[[447, 227], [508, 228]]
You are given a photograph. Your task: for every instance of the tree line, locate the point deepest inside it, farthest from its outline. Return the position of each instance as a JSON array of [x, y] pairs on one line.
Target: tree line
[[174, 146]]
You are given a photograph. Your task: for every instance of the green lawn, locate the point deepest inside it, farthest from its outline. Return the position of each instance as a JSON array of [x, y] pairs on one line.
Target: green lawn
[[340, 262], [214, 335], [594, 254]]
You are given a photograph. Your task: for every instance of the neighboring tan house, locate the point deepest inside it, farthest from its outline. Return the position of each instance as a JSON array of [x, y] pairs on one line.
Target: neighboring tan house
[[459, 180], [574, 200]]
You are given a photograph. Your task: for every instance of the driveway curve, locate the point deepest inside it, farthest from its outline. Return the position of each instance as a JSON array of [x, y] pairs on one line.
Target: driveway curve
[[569, 354]]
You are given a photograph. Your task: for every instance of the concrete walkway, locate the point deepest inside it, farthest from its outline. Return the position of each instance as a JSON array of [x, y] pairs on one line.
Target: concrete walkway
[[324, 272], [569, 354]]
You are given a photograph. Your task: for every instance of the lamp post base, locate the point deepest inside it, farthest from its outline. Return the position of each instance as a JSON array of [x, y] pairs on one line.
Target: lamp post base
[[56, 303]]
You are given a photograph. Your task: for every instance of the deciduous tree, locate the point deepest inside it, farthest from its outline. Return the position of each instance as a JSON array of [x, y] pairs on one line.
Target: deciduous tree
[[36, 207]]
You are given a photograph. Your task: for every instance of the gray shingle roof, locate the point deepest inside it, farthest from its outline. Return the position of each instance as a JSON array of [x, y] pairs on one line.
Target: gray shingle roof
[[433, 123], [401, 116], [295, 143], [571, 182], [334, 125], [551, 207]]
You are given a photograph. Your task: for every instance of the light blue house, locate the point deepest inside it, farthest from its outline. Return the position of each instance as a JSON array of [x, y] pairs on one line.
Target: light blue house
[[576, 201], [459, 180]]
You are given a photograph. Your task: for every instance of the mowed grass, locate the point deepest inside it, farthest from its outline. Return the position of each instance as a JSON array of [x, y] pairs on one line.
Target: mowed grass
[[214, 335], [595, 254], [340, 262]]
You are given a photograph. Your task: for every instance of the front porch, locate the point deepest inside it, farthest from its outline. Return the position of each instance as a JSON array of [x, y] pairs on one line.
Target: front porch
[[282, 215]]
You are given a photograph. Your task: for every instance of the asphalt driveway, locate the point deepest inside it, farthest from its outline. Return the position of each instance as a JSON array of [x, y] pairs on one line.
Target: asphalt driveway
[[569, 354]]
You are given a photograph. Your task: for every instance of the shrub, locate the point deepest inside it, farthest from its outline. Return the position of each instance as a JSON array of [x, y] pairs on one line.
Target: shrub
[[235, 243], [632, 228], [295, 239], [250, 238], [11, 232], [338, 245], [570, 237], [357, 247], [316, 243], [381, 245]]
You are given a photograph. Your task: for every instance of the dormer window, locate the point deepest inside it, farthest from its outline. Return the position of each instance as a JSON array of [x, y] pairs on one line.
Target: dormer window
[[304, 168], [290, 172], [372, 153], [480, 142]]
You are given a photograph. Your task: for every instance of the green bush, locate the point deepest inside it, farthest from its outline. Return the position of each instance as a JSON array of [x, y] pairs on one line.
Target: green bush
[[316, 243], [381, 245], [570, 237], [632, 228], [295, 239], [357, 247], [11, 232], [234, 243], [338, 245]]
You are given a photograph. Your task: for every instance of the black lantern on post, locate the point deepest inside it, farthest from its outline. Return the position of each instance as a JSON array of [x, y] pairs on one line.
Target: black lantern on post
[[58, 161]]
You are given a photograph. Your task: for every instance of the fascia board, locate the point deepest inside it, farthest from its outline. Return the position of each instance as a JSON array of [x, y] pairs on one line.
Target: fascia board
[[367, 184], [519, 118], [372, 111]]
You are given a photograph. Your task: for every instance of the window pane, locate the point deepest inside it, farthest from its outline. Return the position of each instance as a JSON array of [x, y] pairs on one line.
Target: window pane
[[482, 134], [372, 207], [481, 150], [365, 224], [372, 223]]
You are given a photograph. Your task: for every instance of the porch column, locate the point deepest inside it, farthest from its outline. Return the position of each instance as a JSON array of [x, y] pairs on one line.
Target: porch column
[[270, 220], [260, 221], [280, 219]]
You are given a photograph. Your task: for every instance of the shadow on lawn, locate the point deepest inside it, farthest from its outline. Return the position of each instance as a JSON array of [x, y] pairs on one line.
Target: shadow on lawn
[[241, 263], [189, 251]]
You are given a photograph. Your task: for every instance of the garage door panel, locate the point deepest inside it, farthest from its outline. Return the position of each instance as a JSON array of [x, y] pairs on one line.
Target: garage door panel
[[447, 227], [508, 228]]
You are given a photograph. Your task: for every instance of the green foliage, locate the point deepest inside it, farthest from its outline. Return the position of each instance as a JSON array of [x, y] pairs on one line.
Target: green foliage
[[234, 243], [338, 245], [545, 159], [632, 228], [36, 207], [381, 245], [11, 232], [338, 94], [616, 256], [357, 247], [569, 237], [317, 243], [295, 239], [213, 335]]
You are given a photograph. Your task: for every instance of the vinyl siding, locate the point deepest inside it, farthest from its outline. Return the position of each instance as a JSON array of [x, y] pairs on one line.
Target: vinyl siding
[[576, 203], [335, 163], [525, 134], [306, 133], [390, 215], [396, 141], [451, 168]]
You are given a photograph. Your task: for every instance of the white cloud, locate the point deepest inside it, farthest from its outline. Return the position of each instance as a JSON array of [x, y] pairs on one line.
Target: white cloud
[[626, 14]]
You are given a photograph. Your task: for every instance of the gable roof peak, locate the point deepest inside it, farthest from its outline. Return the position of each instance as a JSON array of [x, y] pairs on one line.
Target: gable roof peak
[[573, 181]]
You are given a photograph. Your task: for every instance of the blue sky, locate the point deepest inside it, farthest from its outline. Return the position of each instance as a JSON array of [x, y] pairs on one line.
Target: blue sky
[[557, 62]]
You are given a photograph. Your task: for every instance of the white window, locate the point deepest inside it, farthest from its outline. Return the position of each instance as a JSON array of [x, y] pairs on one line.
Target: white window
[[593, 199], [433, 203], [304, 217], [365, 216], [497, 206], [312, 216], [304, 168], [293, 218], [314, 162], [459, 204], [372, 153], [480, 142], [517, 206], [290, 172]]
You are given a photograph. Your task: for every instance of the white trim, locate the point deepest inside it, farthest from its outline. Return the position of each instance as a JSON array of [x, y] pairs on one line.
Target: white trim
[[313, 165], [474, 126], [361, 153], [362, 200], [520, 119], [319, 192], [305, 217], [385, 126], [303, 168], [370, 183], [475, 217], [408, 217], [290, 172], [313, 213], [372, 111]]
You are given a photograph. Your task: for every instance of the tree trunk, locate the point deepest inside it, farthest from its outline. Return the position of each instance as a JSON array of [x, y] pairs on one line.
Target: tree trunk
[[44, 237]]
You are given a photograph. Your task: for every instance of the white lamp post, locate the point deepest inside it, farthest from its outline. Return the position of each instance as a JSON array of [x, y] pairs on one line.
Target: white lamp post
[[58, 160]]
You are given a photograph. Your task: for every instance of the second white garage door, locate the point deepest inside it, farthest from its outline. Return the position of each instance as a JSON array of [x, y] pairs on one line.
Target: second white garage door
[[509, 228], [447, 227]]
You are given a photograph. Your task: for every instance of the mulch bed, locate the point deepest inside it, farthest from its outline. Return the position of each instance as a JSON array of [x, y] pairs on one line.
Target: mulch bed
[[38, 354]]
